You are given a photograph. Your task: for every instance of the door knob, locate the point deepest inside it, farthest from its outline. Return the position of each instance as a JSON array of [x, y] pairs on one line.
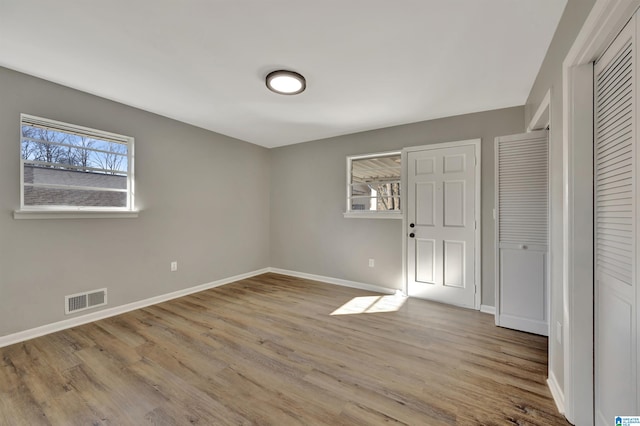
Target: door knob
[[412, 235], [412, 225]]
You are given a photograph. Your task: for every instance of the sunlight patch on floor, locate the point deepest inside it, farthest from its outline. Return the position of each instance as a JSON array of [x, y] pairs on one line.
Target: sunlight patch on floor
[[371, 305]]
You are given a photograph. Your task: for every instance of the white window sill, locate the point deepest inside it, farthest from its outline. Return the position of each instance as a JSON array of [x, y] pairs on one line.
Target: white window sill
[[74, 214], [372, 215]]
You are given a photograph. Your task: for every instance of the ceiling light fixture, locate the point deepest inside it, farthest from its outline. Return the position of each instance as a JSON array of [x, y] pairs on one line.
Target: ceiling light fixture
[[286, 82]]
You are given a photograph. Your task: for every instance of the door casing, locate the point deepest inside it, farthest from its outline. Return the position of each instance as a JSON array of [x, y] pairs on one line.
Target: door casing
[[477, 216], [603, 24]]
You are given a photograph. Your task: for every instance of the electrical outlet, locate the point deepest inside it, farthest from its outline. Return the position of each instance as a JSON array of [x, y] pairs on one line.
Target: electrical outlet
[[559, 332], [174, 266], [372, 263]]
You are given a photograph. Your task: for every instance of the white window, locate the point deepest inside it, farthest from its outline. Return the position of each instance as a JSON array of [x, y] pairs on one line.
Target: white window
[[373, 185], [68, 168]]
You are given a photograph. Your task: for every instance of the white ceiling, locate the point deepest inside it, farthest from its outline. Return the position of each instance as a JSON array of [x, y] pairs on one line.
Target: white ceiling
[[368, 63]]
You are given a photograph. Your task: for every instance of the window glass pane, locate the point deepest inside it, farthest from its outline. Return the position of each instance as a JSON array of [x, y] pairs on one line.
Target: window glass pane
[[360, 189], [41, 196], [62, 148], [73, 166], [114, 161], [377, 179], [375, 203], [53, 176], [358, 205], [377, 169], [388, 203]]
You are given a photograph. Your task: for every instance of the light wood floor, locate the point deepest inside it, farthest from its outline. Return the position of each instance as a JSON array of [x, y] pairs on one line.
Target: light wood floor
[[267, 351]]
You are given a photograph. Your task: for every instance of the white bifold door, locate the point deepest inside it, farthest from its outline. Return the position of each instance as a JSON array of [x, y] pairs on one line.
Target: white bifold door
[[616, 229], [522, 211], [442, 203]]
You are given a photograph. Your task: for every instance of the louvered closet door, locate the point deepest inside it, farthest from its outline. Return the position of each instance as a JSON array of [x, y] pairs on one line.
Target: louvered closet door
[[616, 229], [522, 211]]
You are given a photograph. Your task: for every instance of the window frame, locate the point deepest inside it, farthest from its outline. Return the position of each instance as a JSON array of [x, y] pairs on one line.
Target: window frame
[[68, 211], [372, 214]]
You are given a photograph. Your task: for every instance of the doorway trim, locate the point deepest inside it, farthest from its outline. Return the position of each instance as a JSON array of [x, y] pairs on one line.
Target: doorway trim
[[542, 118], [605, 21], [476, 143]]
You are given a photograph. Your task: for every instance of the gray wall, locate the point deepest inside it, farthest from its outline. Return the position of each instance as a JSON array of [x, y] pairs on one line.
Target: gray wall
[[308, 190], [550, 77], [204, 201]]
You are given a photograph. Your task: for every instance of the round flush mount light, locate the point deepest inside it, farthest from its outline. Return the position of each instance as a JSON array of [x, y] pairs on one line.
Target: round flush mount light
[[286, 82]]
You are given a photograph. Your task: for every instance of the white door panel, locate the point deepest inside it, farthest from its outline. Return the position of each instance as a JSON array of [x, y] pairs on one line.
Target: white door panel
[[614, 353], [454, 261], [616, 229], [527, 302], [454, 203], [425, 204], [425, 269], [441, 206], [522, 192]]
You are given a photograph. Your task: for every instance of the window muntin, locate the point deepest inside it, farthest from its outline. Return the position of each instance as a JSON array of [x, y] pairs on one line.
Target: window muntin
[[68, 167], [374, 183]]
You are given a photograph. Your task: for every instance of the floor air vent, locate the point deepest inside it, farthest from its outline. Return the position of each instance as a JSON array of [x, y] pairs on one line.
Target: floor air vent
[[81, 301]]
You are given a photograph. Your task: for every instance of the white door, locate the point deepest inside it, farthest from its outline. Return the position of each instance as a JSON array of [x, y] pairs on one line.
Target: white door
[[441, 224], [616, 230], [522, 211]]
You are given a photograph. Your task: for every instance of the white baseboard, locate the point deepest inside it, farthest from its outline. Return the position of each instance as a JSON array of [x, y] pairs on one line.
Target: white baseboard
[[335, 281], [21, 336], [488, 309], [556, 392]]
